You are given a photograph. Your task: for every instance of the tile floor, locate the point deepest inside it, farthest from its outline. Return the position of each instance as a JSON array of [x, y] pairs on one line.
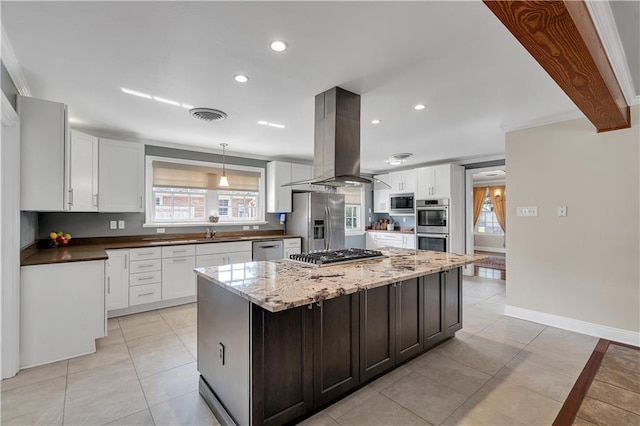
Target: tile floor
[[496, 371]]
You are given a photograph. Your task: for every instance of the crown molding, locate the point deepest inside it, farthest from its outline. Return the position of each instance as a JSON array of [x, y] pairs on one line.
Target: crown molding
[[13, 66], [550, 119], [605, 24]]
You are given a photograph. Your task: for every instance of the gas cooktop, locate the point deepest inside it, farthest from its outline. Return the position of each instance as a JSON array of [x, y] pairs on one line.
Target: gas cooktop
[[336, 257]]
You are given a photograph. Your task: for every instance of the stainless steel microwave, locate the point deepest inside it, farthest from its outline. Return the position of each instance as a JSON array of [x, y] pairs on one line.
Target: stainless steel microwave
[[432, 216], [401, 204]]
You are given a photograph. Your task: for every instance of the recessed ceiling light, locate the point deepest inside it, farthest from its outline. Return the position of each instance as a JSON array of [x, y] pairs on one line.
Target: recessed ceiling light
[[240, 78], [376, 121], [279, 46], [419, 107], [266, 123], [135, 93]]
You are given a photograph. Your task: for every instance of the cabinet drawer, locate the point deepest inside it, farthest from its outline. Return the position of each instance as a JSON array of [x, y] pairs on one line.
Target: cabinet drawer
[[145, 266], [145, 278], [178, 251], [146, 293], [145, 253], [225, 248], [292, 243]]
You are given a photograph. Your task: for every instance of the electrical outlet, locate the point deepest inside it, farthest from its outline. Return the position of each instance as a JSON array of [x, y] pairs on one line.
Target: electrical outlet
[[562, 211], [121, 224], [245, 227], [160, 230], [221, 353], [113, 224], [256, 226], [527, 211]]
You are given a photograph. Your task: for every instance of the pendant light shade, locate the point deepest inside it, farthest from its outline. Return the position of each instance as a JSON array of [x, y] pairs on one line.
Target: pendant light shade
[[223, 179]]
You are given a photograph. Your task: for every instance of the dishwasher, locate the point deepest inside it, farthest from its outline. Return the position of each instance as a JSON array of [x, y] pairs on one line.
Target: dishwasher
[[268, 250]]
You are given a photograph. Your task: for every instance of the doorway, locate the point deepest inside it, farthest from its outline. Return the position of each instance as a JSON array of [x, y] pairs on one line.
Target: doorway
[[486, 227]]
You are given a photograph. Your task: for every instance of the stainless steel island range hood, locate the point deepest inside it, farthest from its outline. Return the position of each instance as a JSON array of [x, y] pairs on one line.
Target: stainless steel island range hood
[[336, 153]]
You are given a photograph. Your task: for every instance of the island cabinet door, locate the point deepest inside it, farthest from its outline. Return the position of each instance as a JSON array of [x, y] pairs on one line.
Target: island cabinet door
[[434, 330], [409, 318], [336, 344], [282, 365], [452, 282], [377, 330]]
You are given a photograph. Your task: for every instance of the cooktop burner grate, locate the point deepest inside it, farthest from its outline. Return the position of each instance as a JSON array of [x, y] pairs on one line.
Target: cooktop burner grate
[[334, 257]]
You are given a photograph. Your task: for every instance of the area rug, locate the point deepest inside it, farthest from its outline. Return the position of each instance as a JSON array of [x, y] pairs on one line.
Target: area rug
[[492, 262], [607, 391]]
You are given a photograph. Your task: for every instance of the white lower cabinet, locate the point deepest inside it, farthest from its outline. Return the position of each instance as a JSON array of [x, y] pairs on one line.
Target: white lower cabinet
[[178, 278], [146, 293], [292, 246], [116, 273], [62, 311], [216, 254], [376, 240]]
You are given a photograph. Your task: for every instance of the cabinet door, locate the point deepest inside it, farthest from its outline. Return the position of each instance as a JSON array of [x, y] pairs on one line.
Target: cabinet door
[[425, 181], [289, 251], [202, 261], [117, 279], [278, 196], [178, 278], [381, 194], [239, 257], [377, 331], [409, 318], [83, 187], [121, 176], [452, 281], [282, 364], [442, 181], [409, 178], [44, 153], [397, 182], [301, 172], [336, 345], [434, 330], [409, 241]]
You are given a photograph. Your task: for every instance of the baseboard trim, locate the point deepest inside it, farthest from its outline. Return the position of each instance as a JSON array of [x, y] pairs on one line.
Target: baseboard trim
[[493, 249], [584, 327]]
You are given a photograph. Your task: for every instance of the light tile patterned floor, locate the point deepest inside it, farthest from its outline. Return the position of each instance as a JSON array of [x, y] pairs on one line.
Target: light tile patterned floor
[[496, 371]]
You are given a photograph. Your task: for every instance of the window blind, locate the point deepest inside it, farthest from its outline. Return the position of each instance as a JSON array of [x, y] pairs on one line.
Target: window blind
[[174, 175]]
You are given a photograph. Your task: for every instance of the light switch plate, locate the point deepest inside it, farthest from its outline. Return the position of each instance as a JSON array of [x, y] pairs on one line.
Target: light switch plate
[[121, 224], [256, 226], [160, 230], [245, 227], [113, 224], [527, 211]]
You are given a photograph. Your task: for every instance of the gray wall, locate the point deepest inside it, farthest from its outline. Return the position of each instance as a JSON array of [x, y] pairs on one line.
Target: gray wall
[[28, 228], [97, 224]]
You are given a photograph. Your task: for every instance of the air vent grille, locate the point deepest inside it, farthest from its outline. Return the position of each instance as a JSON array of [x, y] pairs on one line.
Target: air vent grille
[[208, 114]]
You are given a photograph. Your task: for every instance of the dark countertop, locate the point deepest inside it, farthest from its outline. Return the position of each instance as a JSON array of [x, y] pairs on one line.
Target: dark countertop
[[86, 249]]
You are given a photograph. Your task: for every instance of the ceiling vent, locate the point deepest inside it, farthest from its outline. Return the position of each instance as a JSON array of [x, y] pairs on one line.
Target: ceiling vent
[[208, 114]]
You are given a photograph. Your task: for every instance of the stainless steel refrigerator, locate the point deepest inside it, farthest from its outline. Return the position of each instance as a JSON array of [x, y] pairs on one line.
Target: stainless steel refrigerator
[[319, 219]]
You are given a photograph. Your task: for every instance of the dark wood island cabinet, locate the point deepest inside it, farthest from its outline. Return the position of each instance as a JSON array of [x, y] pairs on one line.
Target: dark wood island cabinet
[[260, 365]]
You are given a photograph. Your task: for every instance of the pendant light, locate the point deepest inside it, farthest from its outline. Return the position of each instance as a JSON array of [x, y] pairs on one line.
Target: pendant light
[[223, 178]]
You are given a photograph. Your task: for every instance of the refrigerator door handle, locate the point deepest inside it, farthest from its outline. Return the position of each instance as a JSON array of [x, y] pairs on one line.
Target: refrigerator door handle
[[327, 221]]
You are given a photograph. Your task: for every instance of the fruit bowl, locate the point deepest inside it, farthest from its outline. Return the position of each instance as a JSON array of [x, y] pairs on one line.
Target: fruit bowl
[[59, 238]]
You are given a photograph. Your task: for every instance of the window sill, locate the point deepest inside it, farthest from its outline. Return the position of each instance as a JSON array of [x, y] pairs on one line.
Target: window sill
[[487, 234], [199, 224], [353, 233]]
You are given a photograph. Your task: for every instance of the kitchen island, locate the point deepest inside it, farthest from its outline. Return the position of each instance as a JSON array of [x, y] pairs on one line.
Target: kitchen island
[[278, 340]]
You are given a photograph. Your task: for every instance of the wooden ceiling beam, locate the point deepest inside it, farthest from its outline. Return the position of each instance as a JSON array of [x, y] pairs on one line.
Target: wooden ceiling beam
[[561, 36]]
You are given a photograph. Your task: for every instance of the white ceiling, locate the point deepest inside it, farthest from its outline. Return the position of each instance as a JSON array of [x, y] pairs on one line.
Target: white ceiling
[[456, 57]]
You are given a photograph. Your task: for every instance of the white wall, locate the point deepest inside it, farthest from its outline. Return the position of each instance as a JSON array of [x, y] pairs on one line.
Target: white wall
[[584, 266]]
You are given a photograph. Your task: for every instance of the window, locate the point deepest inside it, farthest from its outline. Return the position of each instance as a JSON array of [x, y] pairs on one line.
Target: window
[[353, 199], [487, 222], [187, 192]]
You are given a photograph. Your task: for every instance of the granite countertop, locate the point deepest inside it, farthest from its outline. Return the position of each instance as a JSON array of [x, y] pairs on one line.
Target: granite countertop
[[97, 251], [284, 284]]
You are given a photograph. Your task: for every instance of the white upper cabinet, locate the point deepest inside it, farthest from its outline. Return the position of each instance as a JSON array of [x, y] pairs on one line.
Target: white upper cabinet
[[121, 176], [44, 155], [83, 186], [381, 194], [300, 172], [403, 181], [278, 196], [434, 182]]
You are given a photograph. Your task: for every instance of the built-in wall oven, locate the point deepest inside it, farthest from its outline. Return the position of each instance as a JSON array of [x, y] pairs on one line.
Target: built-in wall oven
[[401, 204], [432, 216], [435, 242]]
